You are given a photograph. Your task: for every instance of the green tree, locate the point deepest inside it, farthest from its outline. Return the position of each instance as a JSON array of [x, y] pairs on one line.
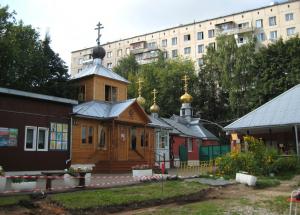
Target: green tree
[[227, 75], [28, 63], [278, 69], [127, 66], [165, 75]]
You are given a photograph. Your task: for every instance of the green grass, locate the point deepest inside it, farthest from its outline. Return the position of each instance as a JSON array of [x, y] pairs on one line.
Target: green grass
[[199, 208], [278, 204], [262, 183], [12, 200], [117, 196]]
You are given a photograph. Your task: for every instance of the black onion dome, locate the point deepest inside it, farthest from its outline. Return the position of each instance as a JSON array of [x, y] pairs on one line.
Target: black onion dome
[[98, 52]]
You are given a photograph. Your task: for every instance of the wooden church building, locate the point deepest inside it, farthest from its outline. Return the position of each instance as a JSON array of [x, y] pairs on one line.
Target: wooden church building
[[110, 132]]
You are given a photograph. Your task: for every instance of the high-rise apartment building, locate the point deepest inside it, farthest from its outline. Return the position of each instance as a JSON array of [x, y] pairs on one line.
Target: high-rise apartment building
[[267, 23]]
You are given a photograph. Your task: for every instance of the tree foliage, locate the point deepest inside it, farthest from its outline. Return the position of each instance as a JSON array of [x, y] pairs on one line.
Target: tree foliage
[[163, 75], [237, 79], [28, 63]]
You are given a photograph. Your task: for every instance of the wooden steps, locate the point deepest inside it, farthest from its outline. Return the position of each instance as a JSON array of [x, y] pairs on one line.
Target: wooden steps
[[116, 166]]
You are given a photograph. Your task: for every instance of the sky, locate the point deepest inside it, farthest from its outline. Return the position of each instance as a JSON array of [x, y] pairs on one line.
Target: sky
[[71, 23]]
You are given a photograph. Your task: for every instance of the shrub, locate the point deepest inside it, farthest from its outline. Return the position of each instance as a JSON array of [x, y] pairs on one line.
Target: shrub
[[285, 164], [234, 162], [265, 183], [21, 179]]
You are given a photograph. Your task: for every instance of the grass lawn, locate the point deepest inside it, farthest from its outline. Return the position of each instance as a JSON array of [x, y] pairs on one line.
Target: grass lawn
[[199, 208], [123, 195], [12, 200]]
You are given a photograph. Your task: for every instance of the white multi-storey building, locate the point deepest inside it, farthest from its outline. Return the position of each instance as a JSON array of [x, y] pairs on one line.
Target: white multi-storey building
[[268, 23]]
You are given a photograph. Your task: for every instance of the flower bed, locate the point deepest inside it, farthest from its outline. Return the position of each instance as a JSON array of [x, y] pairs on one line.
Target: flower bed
[[23, 184], [71, 178]]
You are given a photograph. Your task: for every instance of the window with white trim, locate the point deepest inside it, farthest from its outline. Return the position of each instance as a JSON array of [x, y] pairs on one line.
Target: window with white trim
[[273, 35], [164, 43], [211, 33], [259, 23], [42, 139], [200, 35], [200, 48], [289, 16], [187, 50], [187, 37], [272, 20], [290, 31], [174, 41], [261, 36], [30, 138]]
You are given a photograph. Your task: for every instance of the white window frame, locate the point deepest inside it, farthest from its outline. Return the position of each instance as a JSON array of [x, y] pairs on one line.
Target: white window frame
[[46, 139], [174, 41], [211, 33], [259, 23], [34, 138], [200, 35], [272, 21], [289, 17], [187, 50], [261, 37], [201, 48], [273, 33], [288, 33]]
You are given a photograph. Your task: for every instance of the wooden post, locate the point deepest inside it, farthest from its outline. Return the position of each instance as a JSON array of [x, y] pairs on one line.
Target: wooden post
[[297, 142]]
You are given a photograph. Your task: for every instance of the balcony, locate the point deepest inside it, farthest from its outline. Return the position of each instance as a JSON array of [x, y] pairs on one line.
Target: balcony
[[236, 30]]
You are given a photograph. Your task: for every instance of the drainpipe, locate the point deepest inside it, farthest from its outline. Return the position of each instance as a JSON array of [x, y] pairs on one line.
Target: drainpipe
[[71, 130], [296, 136]]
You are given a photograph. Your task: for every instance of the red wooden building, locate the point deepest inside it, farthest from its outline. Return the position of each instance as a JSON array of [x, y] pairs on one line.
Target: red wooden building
[[188, 134]]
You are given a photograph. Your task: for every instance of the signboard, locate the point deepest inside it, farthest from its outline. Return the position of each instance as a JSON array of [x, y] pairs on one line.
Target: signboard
[[8, 137]]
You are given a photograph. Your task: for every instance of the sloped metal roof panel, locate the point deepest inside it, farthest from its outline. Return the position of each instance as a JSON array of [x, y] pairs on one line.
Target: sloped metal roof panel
[[118, 108], [191, 129], [158, 122], [37, 96], [101, 109], [282, 110], [96, 68]]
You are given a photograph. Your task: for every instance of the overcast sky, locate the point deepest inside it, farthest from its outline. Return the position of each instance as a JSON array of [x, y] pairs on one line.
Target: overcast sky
[[71, 23]]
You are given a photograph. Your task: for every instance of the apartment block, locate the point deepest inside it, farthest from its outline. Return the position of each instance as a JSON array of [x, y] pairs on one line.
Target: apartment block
[[268, 24]]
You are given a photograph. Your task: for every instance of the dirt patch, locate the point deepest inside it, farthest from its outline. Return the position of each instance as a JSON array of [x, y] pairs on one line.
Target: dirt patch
[[219, 195]]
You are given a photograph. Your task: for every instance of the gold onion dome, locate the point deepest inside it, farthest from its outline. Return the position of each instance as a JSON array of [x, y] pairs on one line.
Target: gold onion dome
[[154, 108], [140, 100], [186, 98]]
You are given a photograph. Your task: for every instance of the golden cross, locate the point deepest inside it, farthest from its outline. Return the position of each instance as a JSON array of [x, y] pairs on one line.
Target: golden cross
[[185, 79], [139, 82], [154, 92]]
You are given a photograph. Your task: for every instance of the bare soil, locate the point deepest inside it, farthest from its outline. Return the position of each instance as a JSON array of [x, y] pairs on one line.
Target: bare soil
[[217, 195]]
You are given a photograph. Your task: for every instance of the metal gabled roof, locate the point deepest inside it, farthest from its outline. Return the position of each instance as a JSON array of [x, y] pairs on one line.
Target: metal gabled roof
[[158, 123], [282, 110], [37, 96], [192, 129], [96, 68], [102, 109]]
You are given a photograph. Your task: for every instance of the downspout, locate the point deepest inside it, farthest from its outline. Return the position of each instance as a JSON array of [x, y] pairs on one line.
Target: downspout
[[71, 140], [297, 142]]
